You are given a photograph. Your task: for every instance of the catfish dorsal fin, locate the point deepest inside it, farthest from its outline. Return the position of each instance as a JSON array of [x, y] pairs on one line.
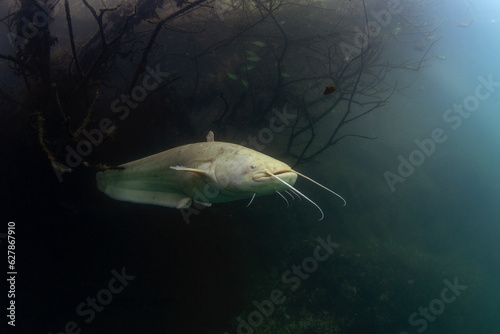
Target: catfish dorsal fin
[[210, 136], [187, 169]]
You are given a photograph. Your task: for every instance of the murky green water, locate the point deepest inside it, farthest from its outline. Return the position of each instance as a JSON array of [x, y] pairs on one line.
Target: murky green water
[[393, 105]]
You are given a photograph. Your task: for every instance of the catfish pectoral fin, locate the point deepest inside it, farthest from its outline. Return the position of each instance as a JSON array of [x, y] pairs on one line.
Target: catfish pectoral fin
[[184, 203], [204, 203], [187, 169]]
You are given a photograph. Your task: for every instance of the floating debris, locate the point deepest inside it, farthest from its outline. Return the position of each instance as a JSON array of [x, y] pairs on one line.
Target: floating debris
[[285, 75], [251, 53], [254, 58], [419, 47], [465, 24], [329, 90], [259, 44], [232, 76], [245, 83]]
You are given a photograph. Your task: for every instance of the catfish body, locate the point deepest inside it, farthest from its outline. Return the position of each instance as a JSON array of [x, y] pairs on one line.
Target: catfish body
[[206, 172]]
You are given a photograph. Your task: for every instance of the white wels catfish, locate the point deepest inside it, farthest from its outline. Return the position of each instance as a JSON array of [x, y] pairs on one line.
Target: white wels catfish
[[207, 172]]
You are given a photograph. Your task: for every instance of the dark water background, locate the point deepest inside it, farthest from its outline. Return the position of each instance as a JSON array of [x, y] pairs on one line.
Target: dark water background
[[397, 251]]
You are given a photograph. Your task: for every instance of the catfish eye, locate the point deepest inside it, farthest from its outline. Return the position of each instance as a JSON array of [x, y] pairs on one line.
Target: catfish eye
[[253, 166]]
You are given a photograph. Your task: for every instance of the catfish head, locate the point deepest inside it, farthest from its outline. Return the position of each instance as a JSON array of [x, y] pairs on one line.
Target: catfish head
[[243, 173]]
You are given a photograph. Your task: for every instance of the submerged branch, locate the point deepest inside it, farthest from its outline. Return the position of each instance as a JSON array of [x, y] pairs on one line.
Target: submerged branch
[[144, 59], [72, 39]]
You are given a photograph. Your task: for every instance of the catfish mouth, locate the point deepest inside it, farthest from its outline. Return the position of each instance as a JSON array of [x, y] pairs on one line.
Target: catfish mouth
[[264, 175]]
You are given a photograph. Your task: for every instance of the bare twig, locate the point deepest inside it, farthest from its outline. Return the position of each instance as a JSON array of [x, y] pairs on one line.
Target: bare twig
[[41, 134], [87, 118], [72, 39], [144, 59]]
